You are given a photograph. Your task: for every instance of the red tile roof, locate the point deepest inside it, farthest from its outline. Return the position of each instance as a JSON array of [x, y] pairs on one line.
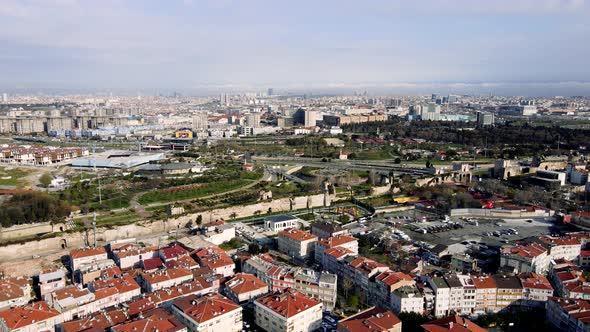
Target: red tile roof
[[535, 281], [152, 263], [205, 308], [165, 275], [529, 251], [483, 282], [366, 265], [213, 257], [188, 262], [105, 292], [371, 320], [297, 235], [453, 323], [87, 252], [153, 320], [391, 278], [198, 285], [110, 272], [336, 241], [338, 252], [245, 283], [98, 320], [139, 305], [288, 302], [19, 317], [173, 252], [123, 285], [13, 288], [559, 241], [72, 291], [132, 249]]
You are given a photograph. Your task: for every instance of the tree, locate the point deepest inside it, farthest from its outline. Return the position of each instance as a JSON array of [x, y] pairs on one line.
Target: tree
[[353, 302], [32, 207], [411, 321], [233, 215], [397, 161], [347, 285], [428, 164], [45, 180], [363, 298], [199, 220], [254, 248], [372, 178]]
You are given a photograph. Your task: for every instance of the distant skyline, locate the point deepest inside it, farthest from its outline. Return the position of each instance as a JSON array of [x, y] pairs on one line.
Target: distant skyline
[[505, 47]]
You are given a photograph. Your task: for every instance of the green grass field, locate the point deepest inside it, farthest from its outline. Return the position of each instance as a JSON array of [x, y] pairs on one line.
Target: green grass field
[[191, 193], [12, 177]]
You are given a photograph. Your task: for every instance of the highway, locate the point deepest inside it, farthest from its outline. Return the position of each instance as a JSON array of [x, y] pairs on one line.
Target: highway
[[382, 166]]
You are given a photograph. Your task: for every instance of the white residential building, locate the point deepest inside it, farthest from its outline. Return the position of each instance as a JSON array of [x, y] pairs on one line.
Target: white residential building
[[407, 299], [50, 281], [208, 313], [343, 241], [34, 317], [244, 287], [536, 289], [166, 278], [217, 260], [525, 258], [86, 256], [296, 244], [321, 286], [130, 254], [442, 293], [281, 222], [288, 311], [14, 292]]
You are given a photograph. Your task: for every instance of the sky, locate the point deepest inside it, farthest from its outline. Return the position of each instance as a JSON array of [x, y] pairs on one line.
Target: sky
[[330, 45]]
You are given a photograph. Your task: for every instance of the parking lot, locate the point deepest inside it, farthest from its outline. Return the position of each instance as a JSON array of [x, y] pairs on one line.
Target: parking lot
[[493, 232]]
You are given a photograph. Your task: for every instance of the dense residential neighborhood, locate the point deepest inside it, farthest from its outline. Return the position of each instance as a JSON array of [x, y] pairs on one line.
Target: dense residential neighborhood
[[294, 166]]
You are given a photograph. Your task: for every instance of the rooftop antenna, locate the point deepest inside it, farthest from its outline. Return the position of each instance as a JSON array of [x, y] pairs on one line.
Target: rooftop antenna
[[94, 228]]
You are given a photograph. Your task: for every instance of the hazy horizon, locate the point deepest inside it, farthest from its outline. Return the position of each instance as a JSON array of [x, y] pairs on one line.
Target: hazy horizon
[[529, 89]]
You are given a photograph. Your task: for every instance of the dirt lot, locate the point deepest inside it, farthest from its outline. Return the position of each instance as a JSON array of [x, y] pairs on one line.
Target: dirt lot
[[32, 266]]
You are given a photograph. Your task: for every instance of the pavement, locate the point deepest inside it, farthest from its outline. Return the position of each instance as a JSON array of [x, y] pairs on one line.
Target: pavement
[[470, 232]]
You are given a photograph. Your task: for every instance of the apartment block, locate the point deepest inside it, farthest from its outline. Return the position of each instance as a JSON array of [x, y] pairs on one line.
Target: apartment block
[[209, 313], [86, 256], [165, 278], [288, 311], [321, 286], [296, 243], [343, 241], [34, 317], [15, 291], [526, 258], [217, 260], [244, 287]]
